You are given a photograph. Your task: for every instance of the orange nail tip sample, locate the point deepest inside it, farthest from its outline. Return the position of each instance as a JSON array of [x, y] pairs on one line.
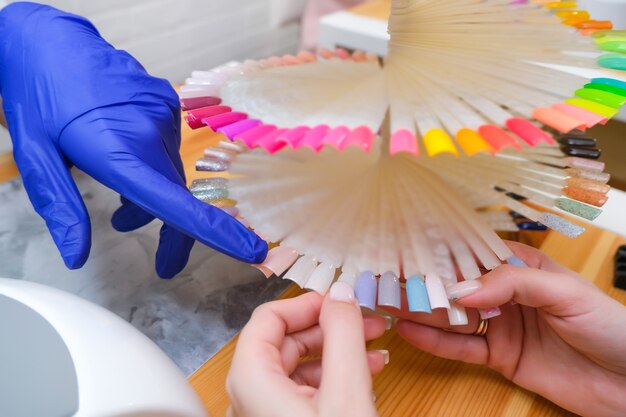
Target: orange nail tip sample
[[437, 141], [575, 182], [498, 138], [562, 122], [471, 142], [589, 118], [586, 196], [403, 141], [595, 24]]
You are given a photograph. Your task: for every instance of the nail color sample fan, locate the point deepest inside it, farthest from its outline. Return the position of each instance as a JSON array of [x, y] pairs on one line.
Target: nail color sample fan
[[364, 168]]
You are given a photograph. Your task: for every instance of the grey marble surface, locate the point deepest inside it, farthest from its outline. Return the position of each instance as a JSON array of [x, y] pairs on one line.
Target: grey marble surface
[[190, 317]]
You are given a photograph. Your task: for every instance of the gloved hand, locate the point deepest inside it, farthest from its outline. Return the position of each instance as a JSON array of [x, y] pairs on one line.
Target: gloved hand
[[70, 98]]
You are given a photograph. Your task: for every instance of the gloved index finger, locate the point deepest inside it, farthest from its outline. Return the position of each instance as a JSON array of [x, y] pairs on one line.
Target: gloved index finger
[[173, 204]]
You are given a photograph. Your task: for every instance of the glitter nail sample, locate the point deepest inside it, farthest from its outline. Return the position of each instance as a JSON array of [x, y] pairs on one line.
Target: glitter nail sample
[[211, 165], [577, 208], [561, 225]]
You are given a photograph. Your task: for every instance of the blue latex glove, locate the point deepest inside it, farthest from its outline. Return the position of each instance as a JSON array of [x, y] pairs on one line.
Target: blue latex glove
[[70, 98]]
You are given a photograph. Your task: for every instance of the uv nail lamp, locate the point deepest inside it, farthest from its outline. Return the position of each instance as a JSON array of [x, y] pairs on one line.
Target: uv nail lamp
[[61, 356], [403, 164]]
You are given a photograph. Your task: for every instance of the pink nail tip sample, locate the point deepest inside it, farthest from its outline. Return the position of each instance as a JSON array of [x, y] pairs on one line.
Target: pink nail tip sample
[[342, 53], [293, 137], [250, 137], [528, 132], [279, 259], [187, 104], [270, 141], [361, 137], [306, 56], [588, 117], [336, 136], [560, 121], [194, 117], [313, 138], [403, 141], [585, 164], [224, 119], [241, 126], [498, 138], [291, 60]]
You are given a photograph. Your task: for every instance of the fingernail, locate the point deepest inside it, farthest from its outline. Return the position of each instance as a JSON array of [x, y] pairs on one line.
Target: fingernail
[[462, 289], [365, 290], [279, 259], [416, 295], [389, 290], [515, 261], [321, 278], [436, 292], [490, 313], [385, 354], [342, 292], [388, 321]]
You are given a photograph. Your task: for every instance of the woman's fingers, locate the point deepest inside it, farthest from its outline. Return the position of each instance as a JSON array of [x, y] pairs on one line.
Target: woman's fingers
[[346, 378], [257, 382], [438, 317], [556, 293], [466, 348], [309, 342], [534, 258], [310, 372]]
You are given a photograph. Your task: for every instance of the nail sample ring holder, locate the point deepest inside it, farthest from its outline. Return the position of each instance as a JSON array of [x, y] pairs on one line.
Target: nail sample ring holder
[[382, 172]]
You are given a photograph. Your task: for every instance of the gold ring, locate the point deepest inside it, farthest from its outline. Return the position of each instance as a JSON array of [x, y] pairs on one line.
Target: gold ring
[[483, 326]]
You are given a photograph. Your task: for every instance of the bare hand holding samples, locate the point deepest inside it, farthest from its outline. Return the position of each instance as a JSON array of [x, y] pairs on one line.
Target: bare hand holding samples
[[362, 168], [558, 336], [269, 377]]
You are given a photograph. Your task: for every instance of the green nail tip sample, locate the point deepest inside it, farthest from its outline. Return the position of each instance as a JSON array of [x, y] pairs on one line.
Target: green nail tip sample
[[609, 81], [578, 209], [608, 88], [613, 61], [613, 46], [603, 97]]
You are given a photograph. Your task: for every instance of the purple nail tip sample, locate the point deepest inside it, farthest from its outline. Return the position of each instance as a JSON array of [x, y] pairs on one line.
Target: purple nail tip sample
[[365, 290]]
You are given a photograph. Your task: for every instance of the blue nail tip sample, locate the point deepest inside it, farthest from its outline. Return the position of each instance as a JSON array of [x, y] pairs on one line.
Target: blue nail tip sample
[[515, 261], [417, 295], [365, 290]]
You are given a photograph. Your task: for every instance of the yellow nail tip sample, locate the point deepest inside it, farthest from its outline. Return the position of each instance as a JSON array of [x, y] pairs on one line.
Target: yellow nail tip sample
[[555, 5], [437, 141], [471, 142], [566, 14]]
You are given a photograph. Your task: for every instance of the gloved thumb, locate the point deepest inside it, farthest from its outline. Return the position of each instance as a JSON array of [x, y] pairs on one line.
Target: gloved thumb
[[54, 196]]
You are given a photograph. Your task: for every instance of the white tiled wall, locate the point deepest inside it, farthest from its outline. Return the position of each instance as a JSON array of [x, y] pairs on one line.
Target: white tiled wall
[[173, 37]]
